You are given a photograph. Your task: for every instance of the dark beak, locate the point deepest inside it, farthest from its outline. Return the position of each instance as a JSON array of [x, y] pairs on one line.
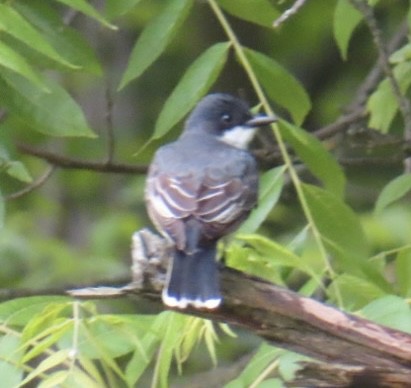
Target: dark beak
[[260, 121]]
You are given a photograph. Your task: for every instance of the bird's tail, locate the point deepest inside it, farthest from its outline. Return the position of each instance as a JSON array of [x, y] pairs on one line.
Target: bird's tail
[[193, 280]]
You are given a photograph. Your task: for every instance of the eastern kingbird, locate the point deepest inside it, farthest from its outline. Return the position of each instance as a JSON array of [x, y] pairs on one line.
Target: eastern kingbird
[[199, 189]]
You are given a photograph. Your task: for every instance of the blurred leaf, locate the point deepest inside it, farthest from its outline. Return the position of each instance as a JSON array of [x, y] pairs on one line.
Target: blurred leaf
[[53, 360], [401, 55], [19, 311], [289, 364], [18, 170], [155, 38], [341, 233], [382, 104], [17, 63], [195, 82], [319, 161], [54, 113], [393, 191], [271, 184], [14, 24], [115, 8], [169, 343], [69, 42], [280, 85], [10, 371], [356, 291], [391, 311], [2, 212], [261, 12], [84, 7], [403, 272], [264, 356], [346, 19], [274, 253]]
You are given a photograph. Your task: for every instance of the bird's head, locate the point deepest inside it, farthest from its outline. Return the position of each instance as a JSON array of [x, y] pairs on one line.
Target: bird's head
[[226, 117]]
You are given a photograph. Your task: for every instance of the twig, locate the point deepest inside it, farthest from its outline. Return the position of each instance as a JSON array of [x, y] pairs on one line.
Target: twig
[[69, 163], [109, 124], [34, 185], [290, 11], [403, 102]]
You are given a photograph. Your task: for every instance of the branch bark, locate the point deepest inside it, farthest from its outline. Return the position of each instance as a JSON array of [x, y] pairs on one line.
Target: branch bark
[[348, 348]]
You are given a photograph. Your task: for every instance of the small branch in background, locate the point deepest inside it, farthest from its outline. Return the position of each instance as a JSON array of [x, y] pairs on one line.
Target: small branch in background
[[109, 124], [76, 164], [289, 12], [403, 102], [69, 16], [34, 185], [3, 114]]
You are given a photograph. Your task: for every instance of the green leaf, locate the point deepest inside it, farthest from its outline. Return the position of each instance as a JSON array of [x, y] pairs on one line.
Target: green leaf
[[346, 19], [195, 82], [356, 291], [273, 253], [10, 371], [319, 161], [19, 311], [2, 210], [18, 170], [54, 113], [15, 25], [391, 311], [393, 191], [271, 184], [17, 63], [382, 104], [68, 41], [115, 8], [155, 38], [403, 272], [281, 86], [401, 55], [265, 355], [260, 12], [84, 7]]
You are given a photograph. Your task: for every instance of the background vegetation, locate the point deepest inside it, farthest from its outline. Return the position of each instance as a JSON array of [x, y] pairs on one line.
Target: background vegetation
[[88, 91]]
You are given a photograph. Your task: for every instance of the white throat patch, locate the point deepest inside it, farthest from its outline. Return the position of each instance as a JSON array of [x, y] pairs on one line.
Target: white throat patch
[[239, 136]]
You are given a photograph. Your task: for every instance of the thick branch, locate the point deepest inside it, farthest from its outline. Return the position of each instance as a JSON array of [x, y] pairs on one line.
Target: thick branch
[[282, 317]]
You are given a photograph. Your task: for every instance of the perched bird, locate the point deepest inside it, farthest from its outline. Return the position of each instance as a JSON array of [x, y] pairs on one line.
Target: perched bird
[[199, 189]]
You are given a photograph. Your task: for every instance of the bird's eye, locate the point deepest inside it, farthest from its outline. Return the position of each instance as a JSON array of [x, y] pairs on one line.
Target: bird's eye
[[226, 118]]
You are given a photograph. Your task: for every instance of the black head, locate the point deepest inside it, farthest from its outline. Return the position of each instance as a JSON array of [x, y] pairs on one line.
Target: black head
[[217, 112], [226, 117]]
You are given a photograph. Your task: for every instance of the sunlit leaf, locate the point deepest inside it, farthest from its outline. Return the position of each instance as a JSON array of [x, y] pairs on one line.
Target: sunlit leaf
[[195, 82], [393, 191], [54, 113], [271, 184], [346, 19], [15, 25], [10, 371], [319, 161], [282, 87], [261, 12], [19, 311], [84, 7], [155, 38]]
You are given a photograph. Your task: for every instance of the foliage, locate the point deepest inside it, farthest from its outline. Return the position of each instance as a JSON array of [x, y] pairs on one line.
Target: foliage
[[312, 228]]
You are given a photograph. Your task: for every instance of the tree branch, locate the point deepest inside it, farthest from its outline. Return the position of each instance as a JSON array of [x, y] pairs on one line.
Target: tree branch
[[77, 164], [348, 344]]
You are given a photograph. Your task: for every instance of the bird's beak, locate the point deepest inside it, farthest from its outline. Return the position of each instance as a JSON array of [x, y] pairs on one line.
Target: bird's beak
[[260, 121]]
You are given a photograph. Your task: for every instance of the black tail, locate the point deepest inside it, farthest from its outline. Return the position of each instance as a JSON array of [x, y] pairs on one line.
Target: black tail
[[193, 280]]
